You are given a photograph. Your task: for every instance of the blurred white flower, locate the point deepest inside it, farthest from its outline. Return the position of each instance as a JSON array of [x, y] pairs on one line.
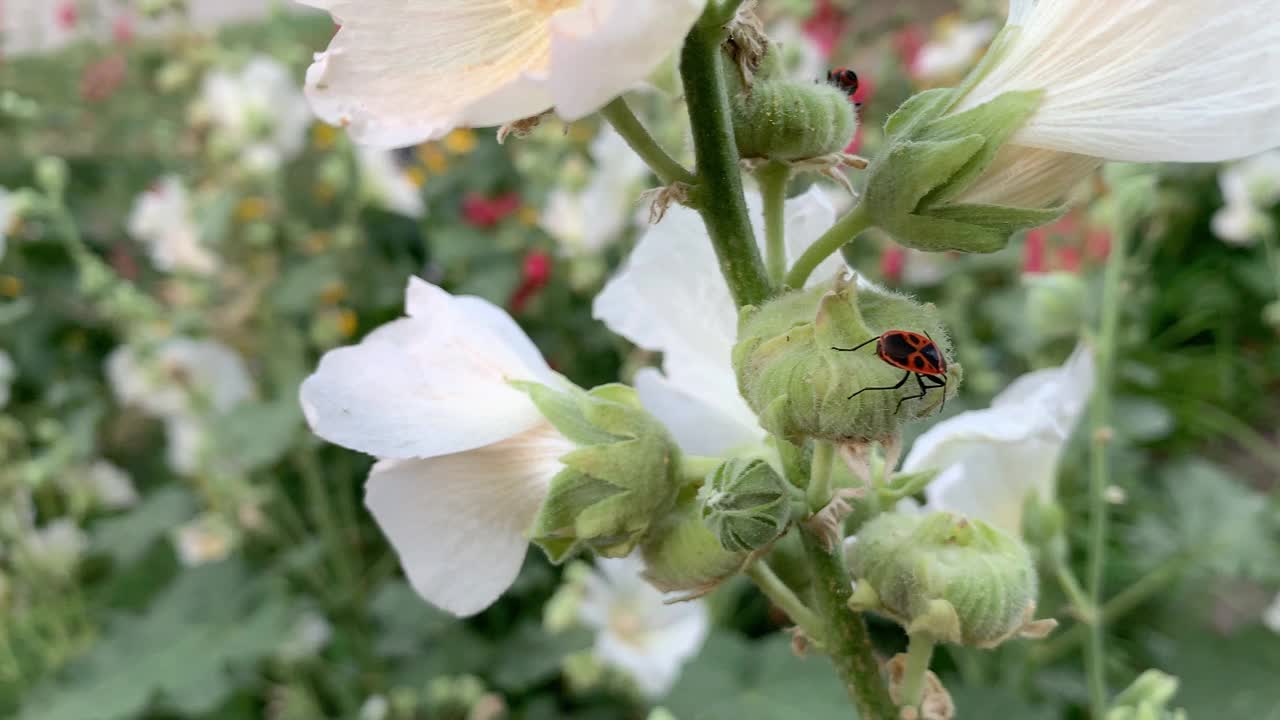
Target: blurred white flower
[[801, 57], [111, 486], [673, 269], [376, 707], [400, 73], [161, 220], [259, 111], [1133, 81], [1271, 616], [57, 546], [636, 631], [179, 376], [954, 50], [385, 183], [991, 460], [311, 633], [6, 220], [1250, 188], [466, 459], [7, 373], [206, 539], [587, 221]]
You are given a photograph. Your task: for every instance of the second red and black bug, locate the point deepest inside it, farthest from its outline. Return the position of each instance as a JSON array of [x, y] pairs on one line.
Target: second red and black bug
[[918, 354], [846, 80]]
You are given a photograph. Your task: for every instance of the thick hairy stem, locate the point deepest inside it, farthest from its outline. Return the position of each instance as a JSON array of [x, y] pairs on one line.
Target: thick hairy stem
[[840, 234], [719, 195], [847, 640], [620, 116]]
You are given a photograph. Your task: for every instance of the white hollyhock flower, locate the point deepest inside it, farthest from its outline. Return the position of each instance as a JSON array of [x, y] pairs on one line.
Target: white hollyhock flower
[[259, 111], [399, 73], [954, 51], [587, 221], [1133, 81], [386, 184], [991, 460], [672, 270], [1250, 188], [7, 373], [180, 376], [1271, 616], [206, 539], [111, 486], [161, 220], [636, 632], [309, 636], [466, 459], [57, 546]]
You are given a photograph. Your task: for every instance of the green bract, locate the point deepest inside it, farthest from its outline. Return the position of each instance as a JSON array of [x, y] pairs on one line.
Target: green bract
[[950, 578], [933, 155], [800, 386], [745, 504], [619, 480], [682, 555]]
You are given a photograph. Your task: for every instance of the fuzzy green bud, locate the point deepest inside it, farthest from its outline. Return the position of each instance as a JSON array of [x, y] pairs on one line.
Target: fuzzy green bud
[[682, 555], [952, 579], [619, 480], [800, 386], [745, 504], [779, 119], [1147, 699]]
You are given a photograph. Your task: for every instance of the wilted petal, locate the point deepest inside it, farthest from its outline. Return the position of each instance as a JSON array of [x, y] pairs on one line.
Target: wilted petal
[[992, 459], [1145, 81], [458, 522], [434, 383]]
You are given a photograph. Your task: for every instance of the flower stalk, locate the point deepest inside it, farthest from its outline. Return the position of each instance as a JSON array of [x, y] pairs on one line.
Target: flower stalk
[[840, 234], [773, 177], [624, 120], [719, 197], [919, 653], [785, 598]]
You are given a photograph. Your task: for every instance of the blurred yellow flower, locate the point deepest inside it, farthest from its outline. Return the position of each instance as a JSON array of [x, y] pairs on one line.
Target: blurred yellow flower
[[324, 136], [529, 216], [348, 322], [252, 208], [460, 141], [416, 175], [434, 158], [10, 286]]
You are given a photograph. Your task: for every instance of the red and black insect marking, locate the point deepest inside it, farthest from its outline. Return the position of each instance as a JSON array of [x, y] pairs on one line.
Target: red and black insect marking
[[917, 354], [847, 81]]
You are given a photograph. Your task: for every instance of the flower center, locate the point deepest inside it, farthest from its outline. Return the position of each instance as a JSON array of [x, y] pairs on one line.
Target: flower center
[[628, 626], [542, 7]]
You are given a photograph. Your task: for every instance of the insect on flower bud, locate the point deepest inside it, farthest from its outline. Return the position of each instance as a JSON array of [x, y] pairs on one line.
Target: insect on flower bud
[[953, 579], [745, 504], [812, 363]]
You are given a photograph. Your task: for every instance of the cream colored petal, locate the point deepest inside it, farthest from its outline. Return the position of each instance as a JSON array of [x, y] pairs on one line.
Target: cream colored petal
[[604, 48], [1145, 80], [398, 73], [1027, 177], [458, 522]]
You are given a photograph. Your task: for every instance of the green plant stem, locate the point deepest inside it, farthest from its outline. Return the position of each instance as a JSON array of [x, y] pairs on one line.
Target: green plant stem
[[820, 480], [840, 234], [719, 195], [1123, 603], [620, 116], [1100, 466], [727, 10], [1085, 610], [784, 597], [847, 640], [773, 177], [919, 653], [694, 468], [326, 518]]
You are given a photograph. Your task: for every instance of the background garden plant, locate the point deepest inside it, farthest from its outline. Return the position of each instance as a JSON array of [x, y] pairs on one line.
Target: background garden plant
[[202, 284]]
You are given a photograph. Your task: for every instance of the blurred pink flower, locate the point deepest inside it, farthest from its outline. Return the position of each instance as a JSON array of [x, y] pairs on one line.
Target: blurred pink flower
[[535, 275], [484, 211], [825, 26]]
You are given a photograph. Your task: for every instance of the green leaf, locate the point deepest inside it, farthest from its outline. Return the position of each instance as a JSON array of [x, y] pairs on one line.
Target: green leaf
[[932, 234], [255, 434], [405, 622], [125, 538], [1221, 676], [299, 290], [1007, 220], [917, 110], [178, 653], [996, 702], [911, 170], [995, 121], [531, 656]]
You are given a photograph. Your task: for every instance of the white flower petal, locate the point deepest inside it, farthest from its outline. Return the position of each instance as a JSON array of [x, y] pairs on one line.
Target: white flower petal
[[629, 39], [670, 298], [699, 427], [385, 183], [1028, 177], [1143, 80], [1271, 616], [458, 522], [162, 220], [431, 384], [992, 459]]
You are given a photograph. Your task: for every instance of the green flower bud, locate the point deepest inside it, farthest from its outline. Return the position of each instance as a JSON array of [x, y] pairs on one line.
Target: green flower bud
[[620, 479], [952, 579], [745, 504], [778, 119], [934, 155], [1147, 699], [682, 555], [51, 175], [1057, 304], [801, 387]]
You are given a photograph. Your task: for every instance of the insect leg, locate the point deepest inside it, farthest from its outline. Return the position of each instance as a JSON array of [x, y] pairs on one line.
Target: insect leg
[[923, 391], [941, 382], [901, 382], [858, 347]]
